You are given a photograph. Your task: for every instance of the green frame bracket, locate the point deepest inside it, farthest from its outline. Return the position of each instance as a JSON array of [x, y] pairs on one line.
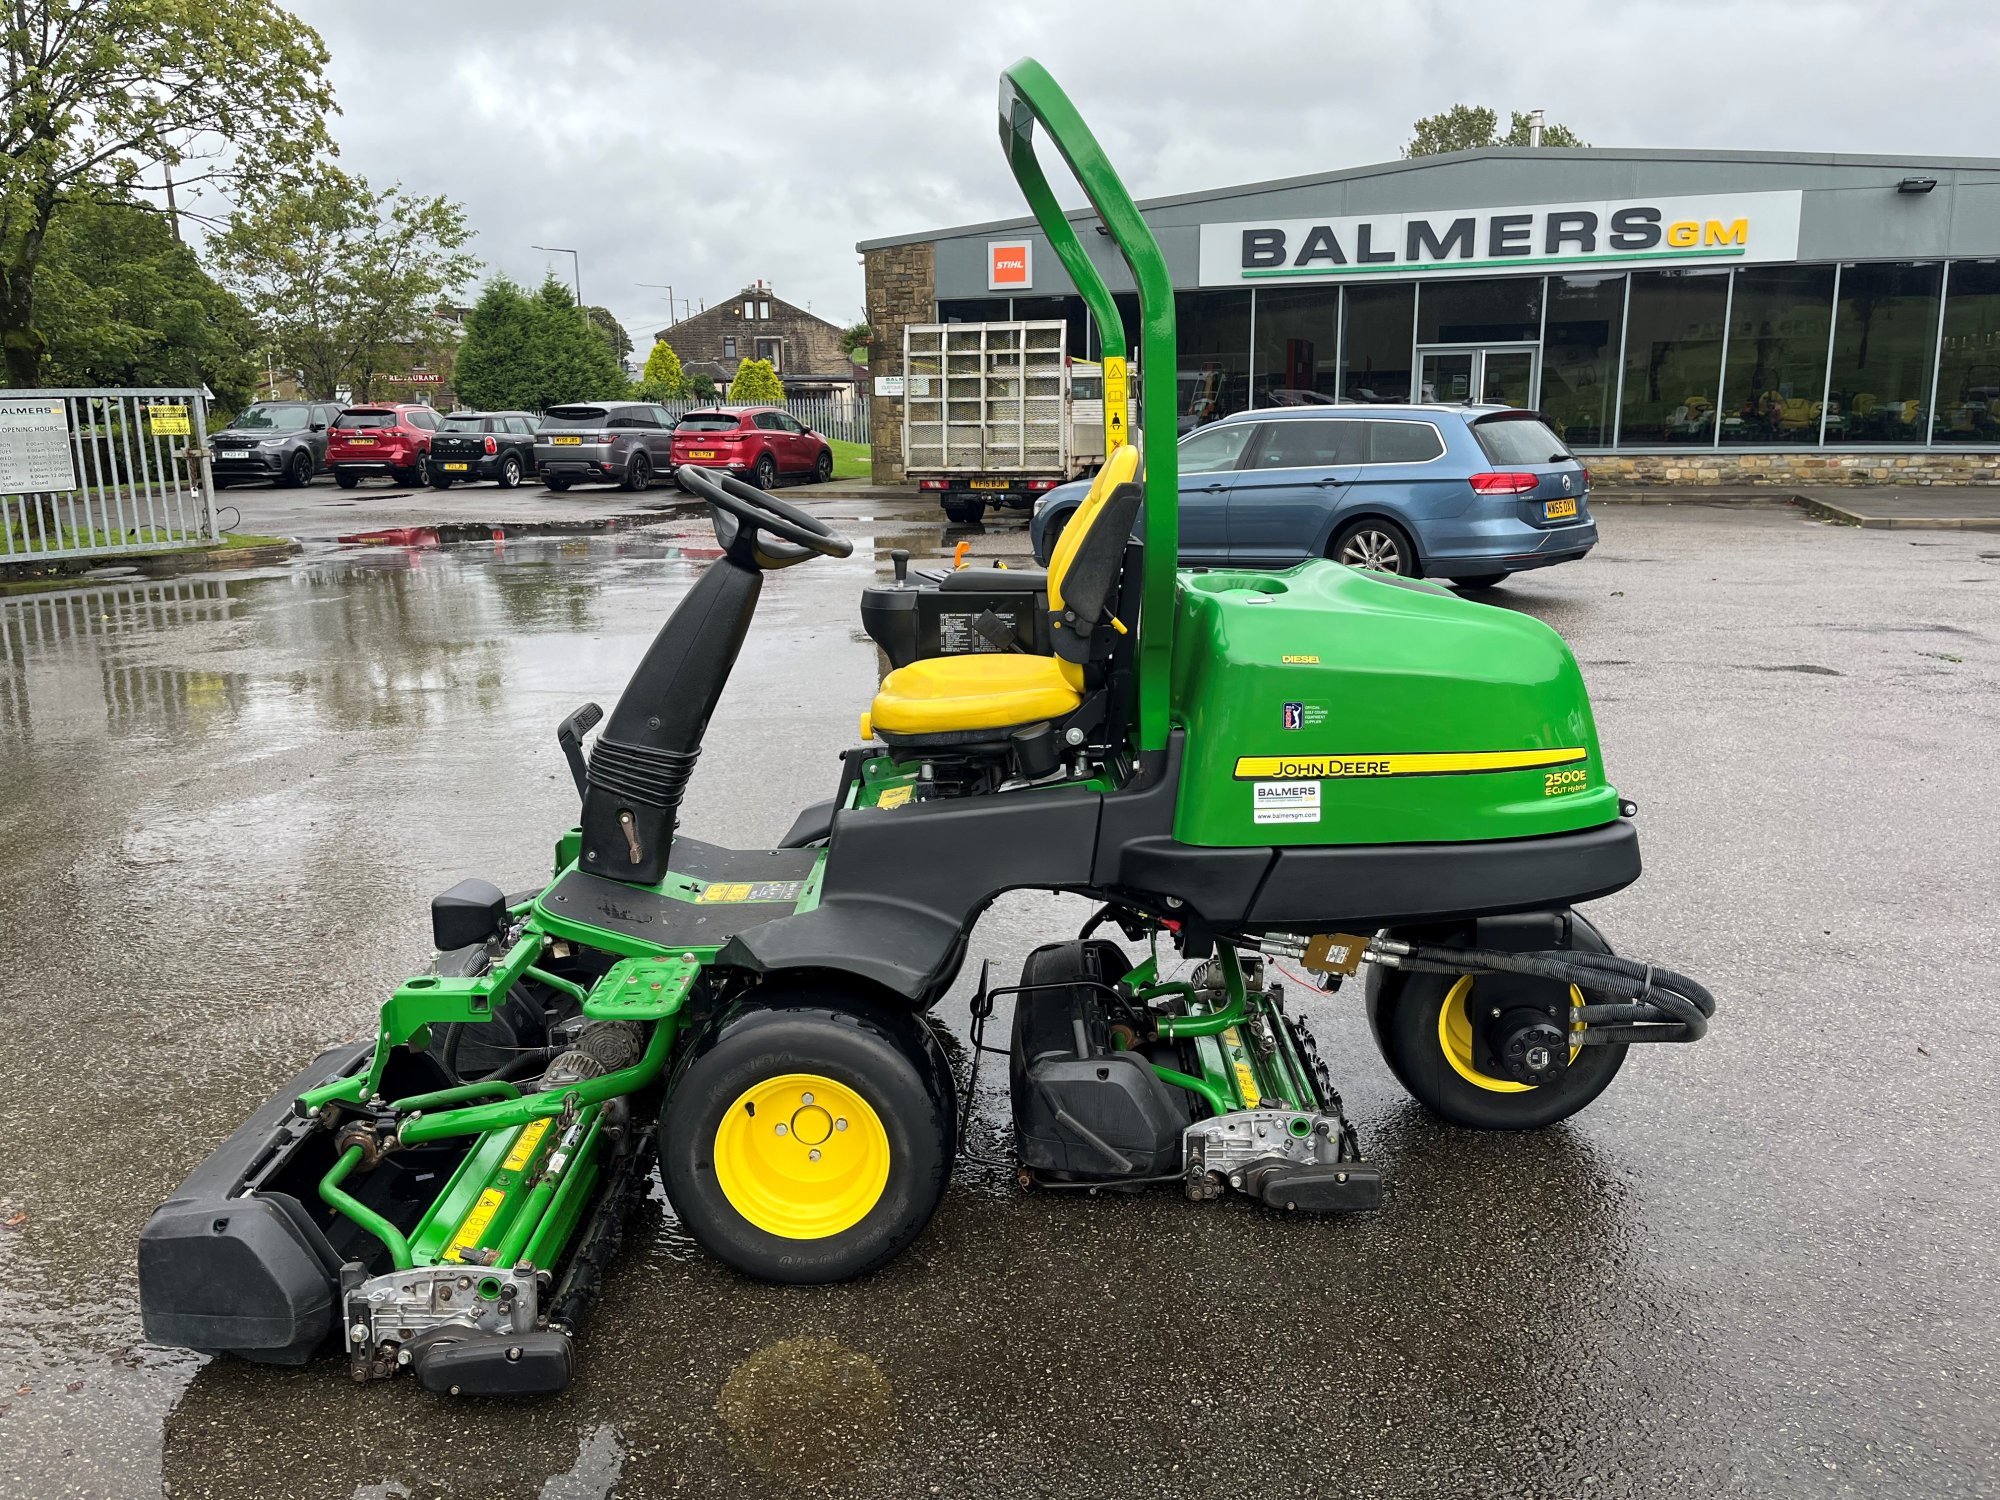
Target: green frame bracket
[[1029, 96]]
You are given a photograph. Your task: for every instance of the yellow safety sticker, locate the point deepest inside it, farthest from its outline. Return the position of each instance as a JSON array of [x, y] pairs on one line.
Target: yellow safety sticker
[[1246, 1081], [1429, 763], [524, 1146], [731, 892], [475, 1223], [895, 796], [1117, 399]]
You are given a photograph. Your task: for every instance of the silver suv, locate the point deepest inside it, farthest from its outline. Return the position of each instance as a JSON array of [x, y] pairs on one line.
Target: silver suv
[[625, 443]]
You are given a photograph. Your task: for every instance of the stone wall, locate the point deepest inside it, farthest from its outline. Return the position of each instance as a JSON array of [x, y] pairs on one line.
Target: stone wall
[[902, 289], [1708, 466]]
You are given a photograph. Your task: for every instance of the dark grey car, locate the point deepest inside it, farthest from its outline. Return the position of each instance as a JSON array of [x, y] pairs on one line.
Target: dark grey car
[[283, 442], [626, 443]]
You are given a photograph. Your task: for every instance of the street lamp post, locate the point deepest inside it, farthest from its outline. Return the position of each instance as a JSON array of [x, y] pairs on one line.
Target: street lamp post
[[575, 267], [661, 286]]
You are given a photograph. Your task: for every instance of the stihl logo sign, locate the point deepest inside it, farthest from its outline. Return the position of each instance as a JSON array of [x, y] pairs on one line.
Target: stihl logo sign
[[1009, 264], [1717, 230]]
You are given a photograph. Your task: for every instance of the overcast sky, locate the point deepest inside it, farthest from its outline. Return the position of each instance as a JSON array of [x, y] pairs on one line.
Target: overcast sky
[[710, 145]]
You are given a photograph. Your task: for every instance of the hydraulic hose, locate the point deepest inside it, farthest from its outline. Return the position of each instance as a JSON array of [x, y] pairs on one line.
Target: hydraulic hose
[[1659, 1005]]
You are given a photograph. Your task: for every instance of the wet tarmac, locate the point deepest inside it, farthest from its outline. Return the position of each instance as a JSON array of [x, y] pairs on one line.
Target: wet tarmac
[[1762, 1265]]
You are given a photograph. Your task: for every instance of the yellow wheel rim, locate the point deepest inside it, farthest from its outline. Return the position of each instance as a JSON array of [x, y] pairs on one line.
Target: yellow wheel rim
[[802, 1156], [1455, 1040]]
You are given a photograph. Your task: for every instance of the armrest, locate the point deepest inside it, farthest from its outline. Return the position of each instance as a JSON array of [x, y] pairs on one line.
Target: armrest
[[995, 581]]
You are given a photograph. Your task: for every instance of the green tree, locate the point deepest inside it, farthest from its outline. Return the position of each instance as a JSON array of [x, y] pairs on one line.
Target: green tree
[[343, 277], [576, 364], [1472, 127], [756, 384], [499, 361], [106, 96], [613, 330], [663, 378], [854, 341], [701, 386]]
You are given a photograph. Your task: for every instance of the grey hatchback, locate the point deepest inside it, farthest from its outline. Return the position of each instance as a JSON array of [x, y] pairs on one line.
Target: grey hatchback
[[1469, 493], [625, 443]]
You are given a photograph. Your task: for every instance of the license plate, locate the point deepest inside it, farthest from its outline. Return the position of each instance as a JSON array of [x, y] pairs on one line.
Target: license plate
[[1555, 510], [701, 453], [361, 442], [990, 484], [456, 468], [566, 442]]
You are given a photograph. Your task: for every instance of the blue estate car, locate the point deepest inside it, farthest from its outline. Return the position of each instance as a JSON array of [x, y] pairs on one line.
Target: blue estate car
[[1468, 493]]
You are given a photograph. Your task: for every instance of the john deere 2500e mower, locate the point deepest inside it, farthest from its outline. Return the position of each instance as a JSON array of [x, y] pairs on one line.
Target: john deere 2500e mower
[[1359, 773]]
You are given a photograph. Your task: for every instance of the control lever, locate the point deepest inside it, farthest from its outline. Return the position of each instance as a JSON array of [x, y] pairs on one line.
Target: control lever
[[901, 559], [570, 733]]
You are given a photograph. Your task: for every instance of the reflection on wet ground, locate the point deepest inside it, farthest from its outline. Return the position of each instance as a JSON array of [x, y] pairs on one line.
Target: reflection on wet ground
[[1756, 1264]]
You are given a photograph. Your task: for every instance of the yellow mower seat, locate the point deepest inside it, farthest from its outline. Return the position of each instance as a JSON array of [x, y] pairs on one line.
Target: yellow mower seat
[[990, 690]]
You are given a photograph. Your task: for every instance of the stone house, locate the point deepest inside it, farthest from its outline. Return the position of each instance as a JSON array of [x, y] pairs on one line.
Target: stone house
[[804, 349]]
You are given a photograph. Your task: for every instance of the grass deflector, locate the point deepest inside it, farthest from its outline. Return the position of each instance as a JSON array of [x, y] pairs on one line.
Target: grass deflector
[[1393, 787]]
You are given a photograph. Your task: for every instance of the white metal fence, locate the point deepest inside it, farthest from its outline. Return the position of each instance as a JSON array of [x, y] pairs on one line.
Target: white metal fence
[[87, 473], [842, 417]]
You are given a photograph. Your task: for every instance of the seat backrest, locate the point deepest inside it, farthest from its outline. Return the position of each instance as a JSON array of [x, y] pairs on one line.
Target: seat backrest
[[1095, 514]]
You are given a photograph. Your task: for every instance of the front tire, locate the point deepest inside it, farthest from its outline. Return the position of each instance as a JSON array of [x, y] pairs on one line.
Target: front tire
[[1376, 545], [345, 480], [807, 1142], [557, 483], [1423, 1024], [823, 470], [298, 471]]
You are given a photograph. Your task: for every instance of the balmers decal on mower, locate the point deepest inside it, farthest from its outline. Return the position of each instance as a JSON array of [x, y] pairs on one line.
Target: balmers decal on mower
[[446, 1195]]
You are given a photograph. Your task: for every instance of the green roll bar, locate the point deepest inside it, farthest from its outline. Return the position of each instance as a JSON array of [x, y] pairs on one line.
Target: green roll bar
[[1029, 96]]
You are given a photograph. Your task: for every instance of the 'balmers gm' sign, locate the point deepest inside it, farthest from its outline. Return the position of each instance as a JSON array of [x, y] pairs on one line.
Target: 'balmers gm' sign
[[1721, 230]]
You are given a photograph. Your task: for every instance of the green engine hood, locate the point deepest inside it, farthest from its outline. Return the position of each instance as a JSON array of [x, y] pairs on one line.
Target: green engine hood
[[1329, 706]]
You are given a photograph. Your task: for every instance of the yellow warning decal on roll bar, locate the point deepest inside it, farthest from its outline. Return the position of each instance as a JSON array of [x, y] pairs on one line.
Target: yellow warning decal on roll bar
[[1424, 763]]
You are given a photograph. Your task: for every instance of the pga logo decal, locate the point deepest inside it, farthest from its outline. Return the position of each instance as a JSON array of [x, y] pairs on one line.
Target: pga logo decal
[[1295, 716]]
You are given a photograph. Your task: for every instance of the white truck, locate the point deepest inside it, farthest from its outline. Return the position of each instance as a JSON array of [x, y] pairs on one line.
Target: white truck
[[997, 413]]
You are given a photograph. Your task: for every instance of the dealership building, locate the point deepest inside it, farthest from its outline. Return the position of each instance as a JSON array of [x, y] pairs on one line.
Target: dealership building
[[1721, 317]]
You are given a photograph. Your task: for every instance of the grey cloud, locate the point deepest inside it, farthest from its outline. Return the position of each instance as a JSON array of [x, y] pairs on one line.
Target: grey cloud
[[705, 146]]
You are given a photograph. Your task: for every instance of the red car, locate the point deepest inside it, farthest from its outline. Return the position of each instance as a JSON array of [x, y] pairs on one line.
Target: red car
[[389, 439], [762, 444]]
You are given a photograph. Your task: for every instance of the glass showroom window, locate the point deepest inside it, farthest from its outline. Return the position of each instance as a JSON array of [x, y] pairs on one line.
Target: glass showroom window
[[1673, 354], [1968, 383], [1214, 354], [1376, 346], [1298, 334], [1775, 372], [1580, 357], [973, 310], [1884, 347], [1500, 310]]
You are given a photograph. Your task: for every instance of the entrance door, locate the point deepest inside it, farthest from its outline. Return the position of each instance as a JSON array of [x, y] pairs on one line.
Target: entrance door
[[1500, 375]]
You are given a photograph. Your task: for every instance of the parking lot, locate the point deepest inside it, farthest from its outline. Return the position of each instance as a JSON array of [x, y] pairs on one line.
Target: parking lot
[[1760, 1265]]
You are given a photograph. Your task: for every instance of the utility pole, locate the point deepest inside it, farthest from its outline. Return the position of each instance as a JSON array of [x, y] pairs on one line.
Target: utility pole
[[575, 268], [173, 213]]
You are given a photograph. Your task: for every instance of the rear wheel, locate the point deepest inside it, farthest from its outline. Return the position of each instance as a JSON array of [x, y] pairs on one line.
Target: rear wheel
[[440, 481], [823, 469], [1052, 535], [1482, 580], [638, 473], [1442, 1040], [1379, 546], [557, 483], [806, 1142], [964, 512], [345, 480], [510, 472], [765, 475]]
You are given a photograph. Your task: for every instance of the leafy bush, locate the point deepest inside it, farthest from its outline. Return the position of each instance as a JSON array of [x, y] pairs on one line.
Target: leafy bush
[[756, 384], [663, 378]]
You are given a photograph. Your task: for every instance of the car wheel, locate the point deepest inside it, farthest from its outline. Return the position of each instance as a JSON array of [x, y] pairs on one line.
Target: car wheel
[[440, 481], [298, 471], [964, 512], [1481, 580], [1379, 546], [638, 473], [765, 475], [557, 483], [345, 480], [510, 472], [823, 470]]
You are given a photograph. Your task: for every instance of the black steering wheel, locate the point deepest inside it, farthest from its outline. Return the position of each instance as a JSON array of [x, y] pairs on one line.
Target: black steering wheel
[[759, 528]]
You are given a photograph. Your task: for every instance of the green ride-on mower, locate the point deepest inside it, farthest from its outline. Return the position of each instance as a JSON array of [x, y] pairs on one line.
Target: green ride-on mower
[[1358, 773]]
